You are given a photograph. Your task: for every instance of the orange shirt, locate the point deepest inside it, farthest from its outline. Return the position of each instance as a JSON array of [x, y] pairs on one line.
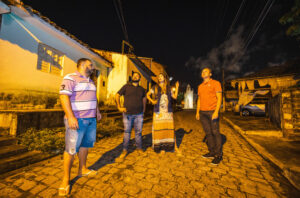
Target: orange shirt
[[207, 92]]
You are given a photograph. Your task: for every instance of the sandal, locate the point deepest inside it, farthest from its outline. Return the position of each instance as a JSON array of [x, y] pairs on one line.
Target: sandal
[[90, 173], [64, 191], [178, 153]]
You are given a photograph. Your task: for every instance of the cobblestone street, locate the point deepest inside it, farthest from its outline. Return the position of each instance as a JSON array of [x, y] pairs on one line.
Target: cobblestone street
[[242, 173]]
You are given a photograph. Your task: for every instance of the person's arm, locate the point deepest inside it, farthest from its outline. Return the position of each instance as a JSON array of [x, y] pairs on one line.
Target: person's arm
[[144, 104], [66, 105], [198, 108], [148, 95], [121, 109], [174, 95], [99, 116], [215, 115], [198, 105]]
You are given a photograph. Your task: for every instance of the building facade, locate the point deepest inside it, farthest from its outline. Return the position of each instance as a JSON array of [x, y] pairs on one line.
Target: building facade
[[35, 54], [123, 67]]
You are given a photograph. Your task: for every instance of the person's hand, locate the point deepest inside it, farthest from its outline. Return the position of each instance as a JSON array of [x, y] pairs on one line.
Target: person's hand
[[215, 115], [73, 123], [122, 109], [154, 102], [177, 85], [197, 116], [99, 116]]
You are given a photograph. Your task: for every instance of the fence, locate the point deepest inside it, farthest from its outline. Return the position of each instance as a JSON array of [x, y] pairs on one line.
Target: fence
[[284, 111]]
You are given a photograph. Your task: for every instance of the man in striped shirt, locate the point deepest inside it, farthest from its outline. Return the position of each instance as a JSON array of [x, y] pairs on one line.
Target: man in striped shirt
[[79, 102]]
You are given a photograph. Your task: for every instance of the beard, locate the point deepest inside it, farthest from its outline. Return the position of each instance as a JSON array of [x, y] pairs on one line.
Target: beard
[[135, 81], [89, 72]]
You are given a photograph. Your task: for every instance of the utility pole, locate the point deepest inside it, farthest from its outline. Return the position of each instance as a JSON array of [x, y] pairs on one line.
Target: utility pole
[[223, 79], [129, 45]]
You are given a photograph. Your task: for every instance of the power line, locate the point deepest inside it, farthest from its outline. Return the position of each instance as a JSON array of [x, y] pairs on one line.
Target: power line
[[121, 23], [258, 23], [122, 15], [119, 11], [220, 20], [235, 19]]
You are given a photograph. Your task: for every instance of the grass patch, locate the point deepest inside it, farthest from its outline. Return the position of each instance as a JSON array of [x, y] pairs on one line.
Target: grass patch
[[48, 140]]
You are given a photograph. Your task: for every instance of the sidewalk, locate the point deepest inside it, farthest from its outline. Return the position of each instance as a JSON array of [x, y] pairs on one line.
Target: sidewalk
[[265, 139]]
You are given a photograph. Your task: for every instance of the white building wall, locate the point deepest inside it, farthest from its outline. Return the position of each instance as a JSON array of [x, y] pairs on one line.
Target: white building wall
[[117, 76], [20, 35]]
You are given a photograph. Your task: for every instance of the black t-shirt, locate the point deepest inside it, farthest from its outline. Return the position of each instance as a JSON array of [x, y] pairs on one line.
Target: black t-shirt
[[133, 98]]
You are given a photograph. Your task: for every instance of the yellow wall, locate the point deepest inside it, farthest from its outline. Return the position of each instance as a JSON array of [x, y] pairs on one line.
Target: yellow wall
[[19, 70], [102, 88], [117, 77], [20, 77]]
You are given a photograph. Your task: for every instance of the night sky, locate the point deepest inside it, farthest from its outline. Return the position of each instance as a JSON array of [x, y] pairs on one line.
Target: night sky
[[182, 35]]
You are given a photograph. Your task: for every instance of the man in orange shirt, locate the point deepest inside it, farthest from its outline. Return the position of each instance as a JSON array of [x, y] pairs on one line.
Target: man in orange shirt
[[209, 103]]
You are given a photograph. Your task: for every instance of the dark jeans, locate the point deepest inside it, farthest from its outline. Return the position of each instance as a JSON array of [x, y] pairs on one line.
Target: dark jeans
[[211, 129]]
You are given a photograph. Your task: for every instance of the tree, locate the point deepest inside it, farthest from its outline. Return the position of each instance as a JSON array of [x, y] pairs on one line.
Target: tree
[[292, 18]]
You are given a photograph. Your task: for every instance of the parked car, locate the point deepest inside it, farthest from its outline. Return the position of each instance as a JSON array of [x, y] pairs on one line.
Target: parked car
[[253, 109]]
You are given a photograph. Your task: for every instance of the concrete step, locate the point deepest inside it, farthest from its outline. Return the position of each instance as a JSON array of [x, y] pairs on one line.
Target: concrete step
[[7, 151], [113, 114], [19, 161], [109, 110], [148, 118], [118, 117], [4, 131], [5, 141]]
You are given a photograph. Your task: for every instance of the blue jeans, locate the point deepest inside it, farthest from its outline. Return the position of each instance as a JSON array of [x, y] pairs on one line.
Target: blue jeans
[[135, 121], [84, 136]]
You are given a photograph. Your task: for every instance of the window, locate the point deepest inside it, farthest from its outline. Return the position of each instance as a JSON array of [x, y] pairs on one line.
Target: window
[[50, 60], [103, 83]]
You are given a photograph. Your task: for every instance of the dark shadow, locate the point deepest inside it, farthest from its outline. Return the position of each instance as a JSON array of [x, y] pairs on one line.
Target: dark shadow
[[110, 156], [73, 181], [179, 133], [107, 158], [147, 141]]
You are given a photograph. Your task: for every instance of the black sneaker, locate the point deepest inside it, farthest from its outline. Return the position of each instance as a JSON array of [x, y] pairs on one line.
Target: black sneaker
[[208, 155], [216, 160]]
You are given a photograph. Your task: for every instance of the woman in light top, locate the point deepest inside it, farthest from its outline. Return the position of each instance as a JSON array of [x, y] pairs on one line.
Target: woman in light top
[[163, 135]]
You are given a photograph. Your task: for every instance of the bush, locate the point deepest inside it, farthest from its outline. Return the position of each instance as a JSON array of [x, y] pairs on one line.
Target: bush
[[49, 140], [52, 140]]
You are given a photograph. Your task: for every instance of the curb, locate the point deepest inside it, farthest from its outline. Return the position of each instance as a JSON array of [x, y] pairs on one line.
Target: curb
[[288, 173]]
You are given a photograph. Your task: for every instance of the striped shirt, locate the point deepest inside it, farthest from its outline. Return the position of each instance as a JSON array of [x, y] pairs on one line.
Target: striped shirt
[[82, 92]]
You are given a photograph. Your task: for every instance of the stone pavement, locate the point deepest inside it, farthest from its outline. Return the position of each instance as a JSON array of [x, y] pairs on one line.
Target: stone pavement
[[242, 173], [282, 152]]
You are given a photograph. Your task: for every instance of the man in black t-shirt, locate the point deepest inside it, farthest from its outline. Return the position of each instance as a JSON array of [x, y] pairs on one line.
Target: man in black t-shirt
[[133, 111]]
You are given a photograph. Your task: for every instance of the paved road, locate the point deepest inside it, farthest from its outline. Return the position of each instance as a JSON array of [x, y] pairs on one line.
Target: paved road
[[242, 173]]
